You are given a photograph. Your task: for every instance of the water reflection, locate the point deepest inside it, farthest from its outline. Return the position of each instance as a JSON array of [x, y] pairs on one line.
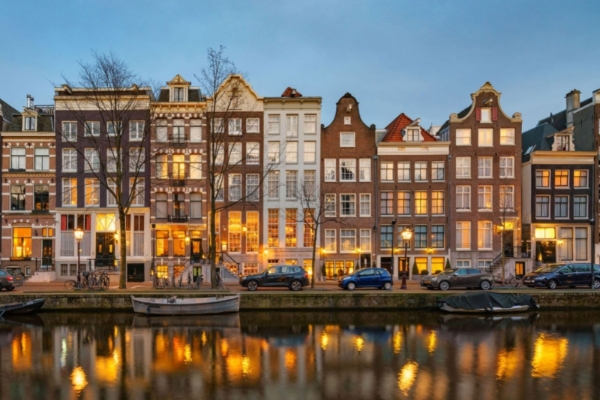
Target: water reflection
[[302, 355]]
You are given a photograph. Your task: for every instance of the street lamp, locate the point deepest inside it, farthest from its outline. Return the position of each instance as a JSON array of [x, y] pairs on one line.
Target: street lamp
[[78, 236], [406, 236], [153, 265], [393, 237]]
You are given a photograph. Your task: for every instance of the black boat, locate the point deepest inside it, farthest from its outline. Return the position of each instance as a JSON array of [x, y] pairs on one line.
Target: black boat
[[25, 307]]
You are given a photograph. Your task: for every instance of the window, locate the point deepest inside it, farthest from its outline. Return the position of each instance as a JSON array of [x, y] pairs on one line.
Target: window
[[41, 197], [561, 206], [507, 197], [92, 128], [92, 160], [386, 236], [330, 169], [92, 192], [138, 192], [566, 250], [387, 171], [437, 203], [235, 232], [310, 123], [330, 240], [463, 197], [420, 235], [161, 205], [580, 206], [162, 244], [253, 125], [273, 152], [17, 158], [235, 187], [111, 161], [178, 205], [484, 198], [463, 167], [347, 170], [178, 94], [485, 137], [347, 120], [404, 171], [112, 128], [581, 252], [42, 159], [364, 173], [347, 139], [484, 235], [252, 231], [484, 165], [486, 115], [580, 178], [561, 178], [196, 205], [136, 130], [437, 236], [291, 229], [463, 263], [438, 171], [17, 197], [235, 154], [365, 240], [273, 185], [161, 130], [291, 184], [347, 240], [507, 136], [542, 178], [178, 168], [412, 135], [252, 153], [309, 227], [420, 171], [386, 203], [69, 131], [137, 160], [195, 166], [463, 235], [218, 125], [507, 167], [542, 206], [562, 142], [404, 203], [291, 152], [420, 203], [252, 190], [235, 127], [21, 239], [273, 124], [195, 131], [273, 227], [330, 205], [348, 205], [291, 125], [309, 185], [463, 137], [69, 195], [365, 205], [111, 200]]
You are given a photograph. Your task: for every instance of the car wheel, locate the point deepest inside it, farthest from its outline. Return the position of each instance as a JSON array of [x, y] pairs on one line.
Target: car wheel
[[485, 285], [296, 285], [596, 284], [351, 286], [252, 286], [387, 286], [552, 284], [444, 285]]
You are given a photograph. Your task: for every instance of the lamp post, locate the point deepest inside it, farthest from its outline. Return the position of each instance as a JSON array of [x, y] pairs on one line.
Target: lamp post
[[153, 264], [78, 236], [358, 262], [406, 236], [393, 240]]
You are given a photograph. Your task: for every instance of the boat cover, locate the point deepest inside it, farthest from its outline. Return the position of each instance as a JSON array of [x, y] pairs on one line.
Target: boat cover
[[488, 300]]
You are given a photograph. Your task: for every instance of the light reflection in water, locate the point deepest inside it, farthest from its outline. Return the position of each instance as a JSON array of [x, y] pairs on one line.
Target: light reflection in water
[[78, 379], [359, 343], [407, 376], [324, 340], [432, 342], [548, 356], [397, 342], [508, 362]]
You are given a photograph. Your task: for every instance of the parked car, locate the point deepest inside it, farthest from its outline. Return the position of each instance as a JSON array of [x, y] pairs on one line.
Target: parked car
[[425, 278], [6, 280], [368, 277], [18, 278], [459, 278], [290, 276], [556, 275]]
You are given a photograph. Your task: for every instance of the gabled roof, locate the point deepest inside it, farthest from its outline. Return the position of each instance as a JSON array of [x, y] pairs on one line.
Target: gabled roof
[[7, 111], [461, 114], [395, 128]]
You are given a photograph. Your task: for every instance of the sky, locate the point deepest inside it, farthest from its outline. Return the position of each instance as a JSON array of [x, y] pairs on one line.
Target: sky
[[420, 57]]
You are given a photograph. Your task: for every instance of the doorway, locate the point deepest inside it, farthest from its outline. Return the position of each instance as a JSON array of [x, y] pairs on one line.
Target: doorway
[[196, 251], [105, 249], [545, 251]]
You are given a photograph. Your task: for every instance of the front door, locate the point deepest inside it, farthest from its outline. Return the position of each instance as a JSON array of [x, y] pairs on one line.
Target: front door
[[508, 244], [46, 253], [196, 251], [105, 249], [546, 251]]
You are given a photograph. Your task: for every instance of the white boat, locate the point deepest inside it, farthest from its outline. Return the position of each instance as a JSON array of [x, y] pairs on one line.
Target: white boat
[[487, 302], [187, 306]]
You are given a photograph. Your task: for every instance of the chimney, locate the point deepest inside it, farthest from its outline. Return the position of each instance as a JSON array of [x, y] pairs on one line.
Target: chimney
[[573, 103], [30, 102]]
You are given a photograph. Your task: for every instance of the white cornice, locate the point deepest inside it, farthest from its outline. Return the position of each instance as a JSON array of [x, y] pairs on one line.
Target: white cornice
[[562, 157]]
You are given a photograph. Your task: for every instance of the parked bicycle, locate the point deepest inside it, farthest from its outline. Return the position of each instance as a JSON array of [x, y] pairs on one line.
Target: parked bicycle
[[89, 280], [511, 280]]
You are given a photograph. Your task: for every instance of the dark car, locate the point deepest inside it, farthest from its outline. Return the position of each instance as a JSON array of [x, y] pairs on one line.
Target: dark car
[[18, 279], [459, 278], [290, 276], [555, 275], [369, 277], [6, 280]]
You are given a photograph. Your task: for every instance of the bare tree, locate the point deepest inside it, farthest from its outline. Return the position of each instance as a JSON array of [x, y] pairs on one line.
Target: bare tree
[[115, 147]]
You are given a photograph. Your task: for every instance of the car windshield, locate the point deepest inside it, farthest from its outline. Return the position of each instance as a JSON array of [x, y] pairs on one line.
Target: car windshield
[[548, 268], [449, 272]]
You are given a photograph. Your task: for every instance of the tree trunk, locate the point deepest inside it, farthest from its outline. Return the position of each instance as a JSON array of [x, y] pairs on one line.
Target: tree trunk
[[123, 244]]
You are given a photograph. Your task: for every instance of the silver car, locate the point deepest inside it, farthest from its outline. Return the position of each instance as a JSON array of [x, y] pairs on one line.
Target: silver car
[[459, 278]]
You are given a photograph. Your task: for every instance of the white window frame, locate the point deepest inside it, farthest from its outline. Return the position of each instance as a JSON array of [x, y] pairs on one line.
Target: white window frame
[[330, 206], [421, 168], [252, 125], [387, 173], [347, 236], [364, 170], [484, 192], [349, 164], [507, 167], [274, 124], [507, 192], [41, 161], [252, 153], [463, 192], [507, 136], [310, 124], [195, 131], [365, 204], [291, 153], [291, 125], [136, 131], [348, 199], [330, 240], [330, 169], [195, 166], [92, 160], [234, 187], [273, 152], [485, 137], [235, 154], [485, 167], [463, 137], [484, 235], [235, 127], [463, 231], [92, 128], [463, 167], [69, 131], [347, 139], [310, 152], [273, 185], [486, 115]]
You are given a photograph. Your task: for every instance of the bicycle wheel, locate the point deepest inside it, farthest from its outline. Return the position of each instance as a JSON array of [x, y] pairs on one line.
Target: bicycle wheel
[[104, 283], [70, 284]]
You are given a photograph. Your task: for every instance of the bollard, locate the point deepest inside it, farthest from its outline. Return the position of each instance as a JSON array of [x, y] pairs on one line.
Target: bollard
[[403, 281]]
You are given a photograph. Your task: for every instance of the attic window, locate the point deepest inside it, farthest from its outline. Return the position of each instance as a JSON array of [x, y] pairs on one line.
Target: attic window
[[347, 120], [486, 115], [178, 94], [530, 149], [412, 135], [562, 143], [29, 123]]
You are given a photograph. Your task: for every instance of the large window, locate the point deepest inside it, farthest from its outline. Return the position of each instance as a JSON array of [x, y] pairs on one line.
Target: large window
[[17, 197], [580, 178], [235, 154], [420, 171], [542, 178], [92, 192], [437, 236], [561, 178], [310, 123], [274, 123], [365, 205], [137, 160], [404, 203], [420, 236], [92, 160], [347, 240], [463, 235], [364, 173], [507, 197], [21, 243], [386, 203], [111, 199], [69, 191], [138, 192], [484, 197], [273, 185], [484, 235], [136, 130], [463, 137], [92, 128], [42, 159], [235, 187], [347, 170], [291, 184], [463, 197], [195, 205], [252, 232], [330, 205], [310, 152], [273, 227], [273, 152], [218, 182], [330, 240], [365, 240], [41, 197], [235, 126], [580, 206], [387, 171], [161, 130], [507, 167], [253, 125], [291, 227], [437, 203], [17, 158], [252, 153], [347, 139], [421, 203], [438, 171], [561, 206], [486, 137], [348, 205], [161, 205], [309, 227], [252, 190], [178, 135], [404, 171], [195, 130], [581, 240], [507, 136], [162, 243], [463, 167], [69, 131], [484, 167], [542, 206], [291, 125], [195, 166], [330, 169], [386, 237], [291, 152], [309, 186], [235, 232]]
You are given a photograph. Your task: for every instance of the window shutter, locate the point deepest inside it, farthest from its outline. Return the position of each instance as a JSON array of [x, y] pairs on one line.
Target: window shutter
[[494, 113], [63, 222], [478, 114], [88, 222]]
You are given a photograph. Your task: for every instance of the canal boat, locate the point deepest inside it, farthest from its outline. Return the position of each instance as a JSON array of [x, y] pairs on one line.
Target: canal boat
[[189, 306], [487, 302], [25, 307]]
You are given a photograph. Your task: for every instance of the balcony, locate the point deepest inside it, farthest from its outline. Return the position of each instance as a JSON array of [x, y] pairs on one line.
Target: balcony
[[178, 141], [177, 218], [178, 180]]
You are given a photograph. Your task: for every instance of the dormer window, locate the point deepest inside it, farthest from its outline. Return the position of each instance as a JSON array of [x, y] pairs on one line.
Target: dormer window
[[30, 123], [412, 135], [486, 115], [178, 94], [562, 143]]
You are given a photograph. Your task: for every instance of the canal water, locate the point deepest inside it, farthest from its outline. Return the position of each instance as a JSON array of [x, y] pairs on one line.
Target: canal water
[[292, 355]]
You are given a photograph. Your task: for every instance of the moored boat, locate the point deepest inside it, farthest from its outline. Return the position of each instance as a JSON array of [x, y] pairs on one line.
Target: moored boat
[[24, 307], [487, 302], [187, 306]]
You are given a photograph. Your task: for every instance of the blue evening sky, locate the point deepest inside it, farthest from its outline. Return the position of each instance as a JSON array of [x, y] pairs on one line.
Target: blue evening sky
[[420, 57]]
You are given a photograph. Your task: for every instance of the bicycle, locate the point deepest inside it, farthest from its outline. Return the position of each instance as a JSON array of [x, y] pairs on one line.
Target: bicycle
[[219, 281], [511, 280]]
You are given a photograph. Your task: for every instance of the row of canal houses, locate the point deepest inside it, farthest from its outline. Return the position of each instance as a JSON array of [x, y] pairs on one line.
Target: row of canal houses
[[472, 192]]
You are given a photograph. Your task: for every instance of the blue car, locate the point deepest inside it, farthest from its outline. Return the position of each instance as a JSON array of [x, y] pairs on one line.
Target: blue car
[[571, 274], [368, 277]]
